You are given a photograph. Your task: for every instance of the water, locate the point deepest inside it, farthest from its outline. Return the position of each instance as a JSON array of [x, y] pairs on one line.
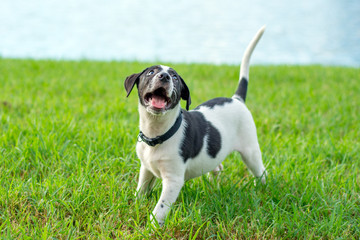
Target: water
[[209, 31]]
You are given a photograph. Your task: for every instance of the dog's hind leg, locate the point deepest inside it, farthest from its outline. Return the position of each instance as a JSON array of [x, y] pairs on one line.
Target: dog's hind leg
[[146, 182], [217, 170], [251, 156]]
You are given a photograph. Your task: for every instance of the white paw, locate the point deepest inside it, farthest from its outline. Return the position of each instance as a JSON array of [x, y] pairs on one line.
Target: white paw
[[156, 222], [218, 169]]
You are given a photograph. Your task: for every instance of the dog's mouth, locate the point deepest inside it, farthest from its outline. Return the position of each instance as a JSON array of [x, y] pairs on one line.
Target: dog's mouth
[[158, 99]]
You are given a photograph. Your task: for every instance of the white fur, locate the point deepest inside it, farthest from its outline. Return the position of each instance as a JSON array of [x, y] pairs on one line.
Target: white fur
[[244, 70]]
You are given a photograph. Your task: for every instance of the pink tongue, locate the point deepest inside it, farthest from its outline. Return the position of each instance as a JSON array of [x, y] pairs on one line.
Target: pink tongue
[[158, 102]]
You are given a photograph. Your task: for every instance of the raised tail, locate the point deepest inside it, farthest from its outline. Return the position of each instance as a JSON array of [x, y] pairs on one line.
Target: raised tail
[[244, 68]]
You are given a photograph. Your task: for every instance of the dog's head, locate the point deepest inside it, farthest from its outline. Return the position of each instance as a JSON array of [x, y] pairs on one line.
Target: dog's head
[[159, 88]]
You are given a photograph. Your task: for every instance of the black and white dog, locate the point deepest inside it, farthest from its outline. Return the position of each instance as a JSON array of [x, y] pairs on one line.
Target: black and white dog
[[176, 145]]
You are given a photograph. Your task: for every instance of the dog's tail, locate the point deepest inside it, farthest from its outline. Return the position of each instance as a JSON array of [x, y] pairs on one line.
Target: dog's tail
[[244, 69]]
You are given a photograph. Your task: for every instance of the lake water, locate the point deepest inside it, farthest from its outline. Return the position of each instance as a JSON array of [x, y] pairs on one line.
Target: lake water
[[208, 31]]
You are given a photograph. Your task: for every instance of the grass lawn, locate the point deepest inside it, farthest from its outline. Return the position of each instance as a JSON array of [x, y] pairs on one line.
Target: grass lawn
[[68, 167]]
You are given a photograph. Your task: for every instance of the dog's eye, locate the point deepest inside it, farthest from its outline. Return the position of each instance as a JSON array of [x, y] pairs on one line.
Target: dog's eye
[[174, 77], [150, 73]]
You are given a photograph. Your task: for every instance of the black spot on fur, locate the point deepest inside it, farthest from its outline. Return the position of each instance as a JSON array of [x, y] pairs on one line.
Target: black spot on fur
[[214, 102], [214, 141], [161, 206], [242, 88], [197, 128], [194, 134]]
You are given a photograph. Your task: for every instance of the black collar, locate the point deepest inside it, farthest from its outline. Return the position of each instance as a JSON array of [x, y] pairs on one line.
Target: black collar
[[160, 139]]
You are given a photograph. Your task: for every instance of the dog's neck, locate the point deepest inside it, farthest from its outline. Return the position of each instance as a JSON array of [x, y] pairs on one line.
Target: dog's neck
[[155, 125]]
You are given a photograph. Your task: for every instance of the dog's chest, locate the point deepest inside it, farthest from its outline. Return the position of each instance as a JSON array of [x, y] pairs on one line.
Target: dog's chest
[[155, 159]]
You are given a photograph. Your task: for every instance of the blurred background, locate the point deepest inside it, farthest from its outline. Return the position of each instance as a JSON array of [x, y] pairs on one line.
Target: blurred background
[[201, 31]]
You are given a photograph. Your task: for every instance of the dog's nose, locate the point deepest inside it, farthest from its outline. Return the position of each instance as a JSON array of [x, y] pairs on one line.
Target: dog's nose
[[164, 76]]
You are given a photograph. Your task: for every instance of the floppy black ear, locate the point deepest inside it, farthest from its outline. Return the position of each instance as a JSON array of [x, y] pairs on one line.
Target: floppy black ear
[[131, 80], [185, 93]]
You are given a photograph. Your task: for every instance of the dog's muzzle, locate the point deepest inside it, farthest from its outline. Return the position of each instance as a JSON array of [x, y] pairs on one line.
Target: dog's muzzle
[[158, 99]]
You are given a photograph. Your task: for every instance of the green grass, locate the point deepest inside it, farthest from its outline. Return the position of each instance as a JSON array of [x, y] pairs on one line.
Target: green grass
[[68, 167]]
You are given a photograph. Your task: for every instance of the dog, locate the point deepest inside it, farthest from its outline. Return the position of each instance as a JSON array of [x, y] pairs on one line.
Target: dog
[[176, 144]]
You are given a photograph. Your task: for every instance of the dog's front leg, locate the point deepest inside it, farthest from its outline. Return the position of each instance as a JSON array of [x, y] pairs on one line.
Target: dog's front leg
[[171, 187], [146, 182]]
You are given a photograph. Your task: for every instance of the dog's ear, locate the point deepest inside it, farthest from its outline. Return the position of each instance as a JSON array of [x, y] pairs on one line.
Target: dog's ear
[[185, 93], [131, 80]]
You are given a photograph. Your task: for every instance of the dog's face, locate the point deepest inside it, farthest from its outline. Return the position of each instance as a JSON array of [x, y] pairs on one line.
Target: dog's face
[[160, 89]]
